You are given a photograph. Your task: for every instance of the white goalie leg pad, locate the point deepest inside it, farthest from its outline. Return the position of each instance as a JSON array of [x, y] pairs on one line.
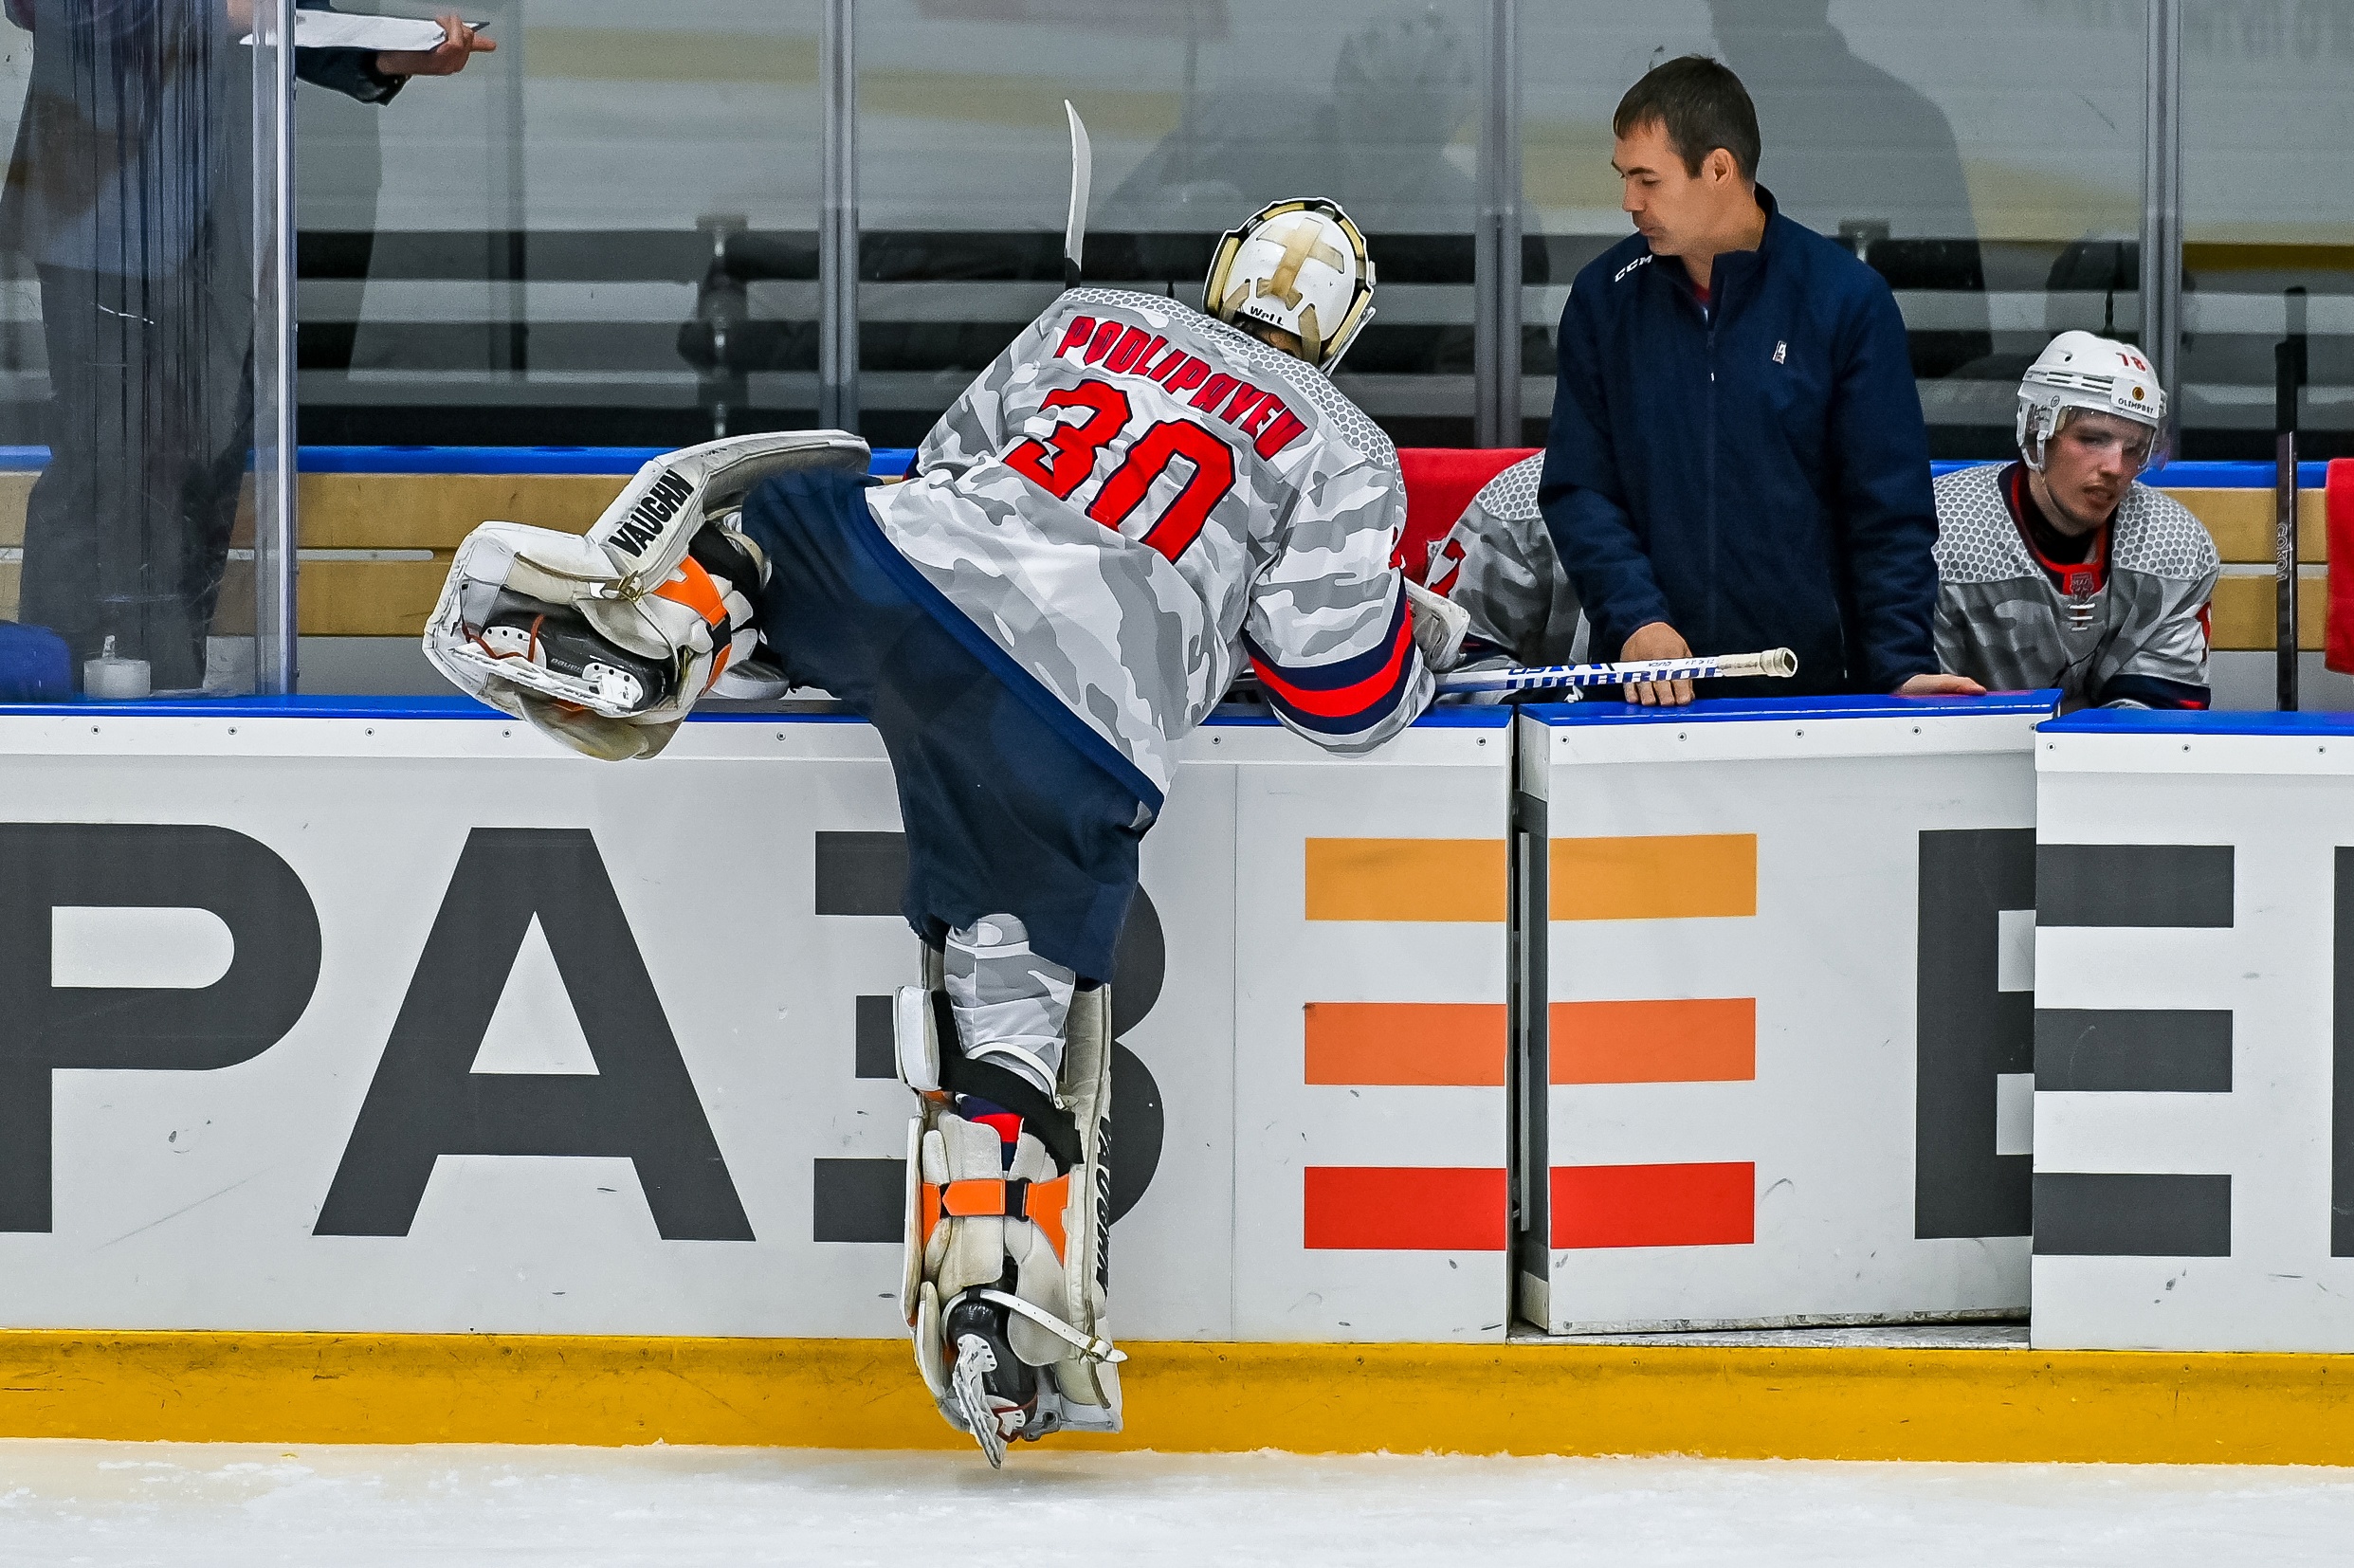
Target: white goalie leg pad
[[915, 1045], [1089, 1384], [978, 1222], [969, 1219]]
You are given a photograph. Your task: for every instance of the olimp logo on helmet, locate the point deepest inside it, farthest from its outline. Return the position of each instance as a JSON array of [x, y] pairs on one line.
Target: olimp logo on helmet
[[2080, 370]]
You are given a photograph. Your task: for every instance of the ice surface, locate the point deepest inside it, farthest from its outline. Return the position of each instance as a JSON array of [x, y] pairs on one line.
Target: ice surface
[[113, 1505]]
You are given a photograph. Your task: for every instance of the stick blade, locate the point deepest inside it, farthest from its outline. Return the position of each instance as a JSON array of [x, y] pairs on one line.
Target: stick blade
[[1081, 175]]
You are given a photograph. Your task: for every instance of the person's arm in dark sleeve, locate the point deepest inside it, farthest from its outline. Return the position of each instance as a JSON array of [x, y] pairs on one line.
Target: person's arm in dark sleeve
[[1585, 501], [351, 72], [1887, 513]]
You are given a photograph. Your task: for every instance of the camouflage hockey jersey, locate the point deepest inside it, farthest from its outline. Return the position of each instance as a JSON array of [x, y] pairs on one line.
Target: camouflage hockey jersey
[[2132, 633], [1134, 497], [1498, 564]]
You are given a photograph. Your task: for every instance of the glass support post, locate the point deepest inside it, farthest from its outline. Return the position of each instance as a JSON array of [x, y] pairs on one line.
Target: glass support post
[[510, 258], [1496, 246], [837, 221], [2289, 358], [2162, 212], [276, 624]]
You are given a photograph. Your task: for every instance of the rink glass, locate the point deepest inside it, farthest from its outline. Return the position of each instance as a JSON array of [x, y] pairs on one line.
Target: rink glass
[[138, 268], [2267, 208], [517, 255], [1967, 155], [1200, 111], [607, 233]]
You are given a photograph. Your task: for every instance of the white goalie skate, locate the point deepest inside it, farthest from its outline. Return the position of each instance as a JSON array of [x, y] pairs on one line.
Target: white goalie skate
[[1008, 1215]]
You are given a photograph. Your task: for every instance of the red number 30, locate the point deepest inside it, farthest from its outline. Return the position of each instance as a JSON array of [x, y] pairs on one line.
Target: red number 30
[[1059, 468]]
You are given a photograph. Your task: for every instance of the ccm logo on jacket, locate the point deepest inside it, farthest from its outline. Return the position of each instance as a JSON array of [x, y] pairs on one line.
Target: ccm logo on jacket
[[1753, 471]]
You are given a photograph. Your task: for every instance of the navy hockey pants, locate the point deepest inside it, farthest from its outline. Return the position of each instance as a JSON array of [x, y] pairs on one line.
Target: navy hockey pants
[[1011, 803]]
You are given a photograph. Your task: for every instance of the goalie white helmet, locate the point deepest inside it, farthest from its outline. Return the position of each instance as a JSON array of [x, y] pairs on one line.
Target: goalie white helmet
[[2080, 370], [1299, 266], [606, 640]]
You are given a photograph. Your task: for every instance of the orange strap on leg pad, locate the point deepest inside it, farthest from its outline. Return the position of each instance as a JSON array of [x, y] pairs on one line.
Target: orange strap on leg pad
[[1040, 1202]]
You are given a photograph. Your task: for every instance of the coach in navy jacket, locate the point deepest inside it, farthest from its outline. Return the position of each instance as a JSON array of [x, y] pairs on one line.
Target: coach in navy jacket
[[1737, 460]]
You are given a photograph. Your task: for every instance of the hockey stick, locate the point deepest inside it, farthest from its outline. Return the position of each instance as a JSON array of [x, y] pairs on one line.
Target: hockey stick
[[1082, 175], [1777, 661]]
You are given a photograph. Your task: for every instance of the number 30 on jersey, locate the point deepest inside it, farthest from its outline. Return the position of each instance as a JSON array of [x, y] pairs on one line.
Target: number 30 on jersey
[[1062, 463]]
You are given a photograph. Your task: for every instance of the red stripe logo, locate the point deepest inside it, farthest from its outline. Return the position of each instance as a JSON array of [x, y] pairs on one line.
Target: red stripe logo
[[1422, 1209], [1654, 1204]]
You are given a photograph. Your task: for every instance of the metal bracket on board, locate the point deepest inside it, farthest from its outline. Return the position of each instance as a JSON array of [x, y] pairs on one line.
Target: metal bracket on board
[[1528, 1065]]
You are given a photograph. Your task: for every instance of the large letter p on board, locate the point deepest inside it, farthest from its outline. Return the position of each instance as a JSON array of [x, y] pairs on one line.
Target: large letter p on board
[[48, 866]]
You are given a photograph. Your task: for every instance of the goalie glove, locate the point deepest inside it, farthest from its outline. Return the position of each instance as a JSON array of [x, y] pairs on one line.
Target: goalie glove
[[606, 640], [1439, 624]]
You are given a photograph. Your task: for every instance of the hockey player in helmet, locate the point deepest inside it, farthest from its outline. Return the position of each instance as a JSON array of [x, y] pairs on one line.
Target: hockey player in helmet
[[1131, 503], [2062, 569], [1498, 564]]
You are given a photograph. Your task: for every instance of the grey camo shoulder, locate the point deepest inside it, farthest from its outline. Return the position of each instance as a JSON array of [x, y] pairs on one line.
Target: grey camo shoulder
[[1315, 390], [2157, 535], [1977, 541]]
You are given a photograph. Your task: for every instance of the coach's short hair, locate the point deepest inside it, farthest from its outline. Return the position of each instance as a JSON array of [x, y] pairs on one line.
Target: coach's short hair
[[1702, 105]]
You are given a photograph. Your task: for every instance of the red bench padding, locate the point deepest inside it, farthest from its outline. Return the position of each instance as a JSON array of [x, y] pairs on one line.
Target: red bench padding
[[2338, 640], [1440, 482]]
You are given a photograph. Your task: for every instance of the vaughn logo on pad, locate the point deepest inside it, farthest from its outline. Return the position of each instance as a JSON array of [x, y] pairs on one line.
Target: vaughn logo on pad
[[652, 514]]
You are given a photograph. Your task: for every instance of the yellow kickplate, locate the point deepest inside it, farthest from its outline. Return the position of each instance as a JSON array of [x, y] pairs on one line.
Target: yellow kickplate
[[1745, 1402]]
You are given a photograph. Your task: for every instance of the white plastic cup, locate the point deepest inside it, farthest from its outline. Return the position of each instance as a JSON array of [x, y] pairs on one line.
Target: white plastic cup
[[112, 678]]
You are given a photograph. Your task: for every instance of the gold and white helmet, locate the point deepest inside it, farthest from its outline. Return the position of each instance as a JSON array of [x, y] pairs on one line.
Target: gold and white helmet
[[1299, 265], [2081, 369]]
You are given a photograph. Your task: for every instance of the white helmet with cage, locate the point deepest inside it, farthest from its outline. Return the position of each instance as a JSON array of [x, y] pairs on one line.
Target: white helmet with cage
[[1298, 265], [2080, 370]]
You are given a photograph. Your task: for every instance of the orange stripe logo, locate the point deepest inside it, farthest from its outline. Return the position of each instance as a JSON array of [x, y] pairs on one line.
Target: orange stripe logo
[[1463, 1045], [1704, 1040], [1405, 879], [1670, 877], [1454, 1209], [1701, 1040], [1690, 876]]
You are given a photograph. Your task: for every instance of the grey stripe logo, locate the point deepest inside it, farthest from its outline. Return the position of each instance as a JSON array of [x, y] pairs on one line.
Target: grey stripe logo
[[2134, 1050], [861, 873], [1968, 1032], [2133, 885], [875, 1054], [2127, 1050], [2088, 1215], [857, 1199]]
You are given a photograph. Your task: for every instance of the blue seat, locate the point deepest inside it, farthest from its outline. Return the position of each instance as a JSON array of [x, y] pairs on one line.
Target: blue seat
[[35, 666]]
